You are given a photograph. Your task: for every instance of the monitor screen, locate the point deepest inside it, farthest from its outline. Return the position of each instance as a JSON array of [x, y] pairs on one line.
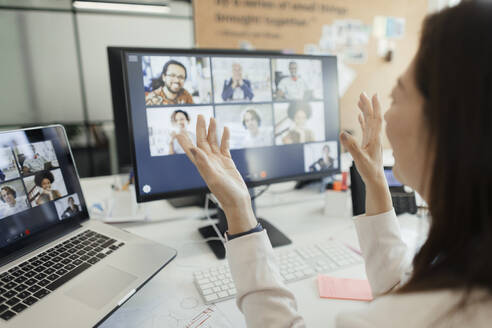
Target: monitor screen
[[39, 186], [390, 177], [282, 111]]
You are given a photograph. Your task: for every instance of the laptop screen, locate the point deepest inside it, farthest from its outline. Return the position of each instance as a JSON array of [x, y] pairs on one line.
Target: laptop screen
[[39, 186]]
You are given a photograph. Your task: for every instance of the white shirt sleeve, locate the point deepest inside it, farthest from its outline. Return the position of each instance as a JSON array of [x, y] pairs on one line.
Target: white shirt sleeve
[[264, 299], [385, 254], [261, 295], [282, 85]]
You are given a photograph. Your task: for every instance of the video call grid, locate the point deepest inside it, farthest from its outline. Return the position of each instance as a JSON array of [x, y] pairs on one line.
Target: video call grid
[[24, 174], [214, 104], [212, 85]]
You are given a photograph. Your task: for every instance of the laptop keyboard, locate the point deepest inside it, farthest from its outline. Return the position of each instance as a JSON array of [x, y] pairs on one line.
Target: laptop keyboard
[[25, 284]]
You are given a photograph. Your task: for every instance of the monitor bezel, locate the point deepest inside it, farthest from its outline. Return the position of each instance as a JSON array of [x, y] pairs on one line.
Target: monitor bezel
[[210, 52]]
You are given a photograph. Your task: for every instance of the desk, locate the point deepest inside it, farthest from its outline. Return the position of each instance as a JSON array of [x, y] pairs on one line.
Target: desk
[[170, 299]]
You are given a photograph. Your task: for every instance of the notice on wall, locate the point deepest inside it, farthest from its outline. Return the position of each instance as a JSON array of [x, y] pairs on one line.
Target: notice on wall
[[288, 25], [374, 40], [388, 27]]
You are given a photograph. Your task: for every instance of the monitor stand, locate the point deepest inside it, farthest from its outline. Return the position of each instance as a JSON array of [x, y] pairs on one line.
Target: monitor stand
[[277, 238]]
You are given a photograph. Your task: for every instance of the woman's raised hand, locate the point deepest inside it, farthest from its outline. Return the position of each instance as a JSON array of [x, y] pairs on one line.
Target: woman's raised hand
[[216, 167], [368, 156]]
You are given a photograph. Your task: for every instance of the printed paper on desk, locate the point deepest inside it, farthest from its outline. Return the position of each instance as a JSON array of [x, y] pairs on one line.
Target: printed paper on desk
[[345, 289]]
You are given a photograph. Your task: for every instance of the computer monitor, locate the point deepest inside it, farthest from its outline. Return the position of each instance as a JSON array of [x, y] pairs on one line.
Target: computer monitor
[[282, 111], [120, 117]]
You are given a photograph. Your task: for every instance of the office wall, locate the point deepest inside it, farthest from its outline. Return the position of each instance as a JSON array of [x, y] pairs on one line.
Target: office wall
[[97, 31], [39, 79]]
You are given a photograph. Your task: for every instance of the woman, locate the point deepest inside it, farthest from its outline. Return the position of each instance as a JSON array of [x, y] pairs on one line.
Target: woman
[[237, 88], [298, 112], [44, 180], [257, 136], [325, 162], [439, 128], [180, 120], [71, 210], [14, 204]]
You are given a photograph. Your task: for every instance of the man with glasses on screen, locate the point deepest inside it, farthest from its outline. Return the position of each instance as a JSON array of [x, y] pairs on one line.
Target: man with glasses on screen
[[168, 89]]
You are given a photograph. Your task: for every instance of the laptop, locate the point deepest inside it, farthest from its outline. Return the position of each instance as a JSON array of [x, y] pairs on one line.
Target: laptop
[[57, 267]]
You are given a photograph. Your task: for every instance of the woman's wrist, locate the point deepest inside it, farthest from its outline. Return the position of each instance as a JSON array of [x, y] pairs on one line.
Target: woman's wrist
[[378, 198], [240, 219]]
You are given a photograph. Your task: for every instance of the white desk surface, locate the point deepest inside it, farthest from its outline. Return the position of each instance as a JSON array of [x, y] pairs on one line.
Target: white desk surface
[[170, 299]]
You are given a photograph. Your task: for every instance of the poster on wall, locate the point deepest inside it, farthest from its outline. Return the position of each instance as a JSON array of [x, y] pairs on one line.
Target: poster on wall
[[373, 40], [316, 26], [294, 26]]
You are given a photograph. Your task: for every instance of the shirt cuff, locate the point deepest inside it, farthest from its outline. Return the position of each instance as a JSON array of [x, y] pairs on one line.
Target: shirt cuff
[[374, 229], [252, 263], [383, 221], [258, 228]]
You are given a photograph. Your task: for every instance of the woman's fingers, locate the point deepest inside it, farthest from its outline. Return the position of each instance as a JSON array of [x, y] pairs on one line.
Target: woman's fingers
[[201, 134], [365, 136], [376, 105], [350, 144], [224, 143], [187, 145], [371, 119], [212, 136], [365, 105], [361, 122]]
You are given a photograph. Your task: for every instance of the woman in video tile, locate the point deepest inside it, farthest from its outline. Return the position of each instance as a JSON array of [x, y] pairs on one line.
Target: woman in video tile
[[168, 89], [325, 162], [8, 196], [72, 208], [299, 112], [237, 88], [44, 180], [181, 121], [257, 136]]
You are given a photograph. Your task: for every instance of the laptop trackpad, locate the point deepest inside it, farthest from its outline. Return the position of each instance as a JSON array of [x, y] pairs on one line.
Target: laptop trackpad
[[100, 286]]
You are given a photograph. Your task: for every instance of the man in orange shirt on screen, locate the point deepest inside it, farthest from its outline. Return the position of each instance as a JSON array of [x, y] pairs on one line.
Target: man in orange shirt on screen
[[168, 88]]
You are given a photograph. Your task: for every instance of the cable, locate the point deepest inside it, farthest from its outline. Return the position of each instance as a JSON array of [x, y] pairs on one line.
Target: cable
[[212, 223], [261, 192], [209, 197]]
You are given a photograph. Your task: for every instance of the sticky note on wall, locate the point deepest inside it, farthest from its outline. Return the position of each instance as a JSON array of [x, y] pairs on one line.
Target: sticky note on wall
[[345, 289], [389, 27]]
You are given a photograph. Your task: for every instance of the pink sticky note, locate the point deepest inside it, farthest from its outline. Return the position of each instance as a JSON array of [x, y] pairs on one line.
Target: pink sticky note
[[345, 289]]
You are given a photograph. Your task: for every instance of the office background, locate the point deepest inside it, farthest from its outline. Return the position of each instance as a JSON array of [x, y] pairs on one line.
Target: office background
[[54, 69]]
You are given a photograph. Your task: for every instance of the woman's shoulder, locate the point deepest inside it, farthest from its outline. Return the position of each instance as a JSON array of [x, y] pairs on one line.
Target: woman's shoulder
[[423, 309]]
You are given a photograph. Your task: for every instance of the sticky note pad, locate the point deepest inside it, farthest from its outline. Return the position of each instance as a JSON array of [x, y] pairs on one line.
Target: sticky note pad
[[345, 289]]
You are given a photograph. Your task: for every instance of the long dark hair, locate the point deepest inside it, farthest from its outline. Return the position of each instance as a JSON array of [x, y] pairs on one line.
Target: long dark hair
[[453, 72]]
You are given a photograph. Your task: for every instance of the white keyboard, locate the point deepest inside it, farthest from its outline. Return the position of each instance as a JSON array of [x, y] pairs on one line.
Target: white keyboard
[[215, 284]]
